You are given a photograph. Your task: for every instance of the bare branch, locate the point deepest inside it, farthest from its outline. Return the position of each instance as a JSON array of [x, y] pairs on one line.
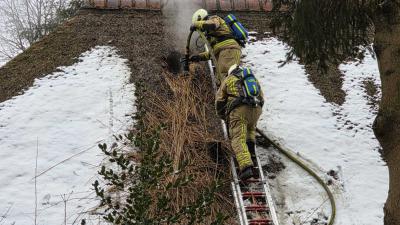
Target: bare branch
[[27, 21]]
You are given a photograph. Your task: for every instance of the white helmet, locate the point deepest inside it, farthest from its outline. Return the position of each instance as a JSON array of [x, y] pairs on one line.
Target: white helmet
[[233, 68], [200, 14]]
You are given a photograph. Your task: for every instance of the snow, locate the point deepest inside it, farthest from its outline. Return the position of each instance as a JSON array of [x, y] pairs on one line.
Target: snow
[[63, 116], [327, 136], [3, 61]]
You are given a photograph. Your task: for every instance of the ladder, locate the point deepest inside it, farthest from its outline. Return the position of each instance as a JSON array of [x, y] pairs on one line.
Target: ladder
[[253, 199]]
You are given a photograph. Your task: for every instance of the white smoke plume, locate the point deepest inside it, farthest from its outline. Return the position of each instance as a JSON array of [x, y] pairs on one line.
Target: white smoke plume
[[179, 14]]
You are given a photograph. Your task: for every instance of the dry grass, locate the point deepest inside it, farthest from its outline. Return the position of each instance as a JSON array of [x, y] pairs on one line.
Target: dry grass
[[191, 125]]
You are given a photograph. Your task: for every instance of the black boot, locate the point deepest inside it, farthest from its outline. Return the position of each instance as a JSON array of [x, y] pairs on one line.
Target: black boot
[[246, 173], [252, 147]]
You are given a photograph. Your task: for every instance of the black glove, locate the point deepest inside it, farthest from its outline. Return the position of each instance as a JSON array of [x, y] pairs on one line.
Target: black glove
[[195, 58], [193, 28], [242, 43]]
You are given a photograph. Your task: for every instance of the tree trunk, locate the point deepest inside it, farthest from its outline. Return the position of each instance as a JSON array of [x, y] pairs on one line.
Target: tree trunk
[[387, 123]]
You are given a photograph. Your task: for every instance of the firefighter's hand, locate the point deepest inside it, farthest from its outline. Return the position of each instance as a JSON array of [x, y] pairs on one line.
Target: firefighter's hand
[[193, 27], [195, 58]]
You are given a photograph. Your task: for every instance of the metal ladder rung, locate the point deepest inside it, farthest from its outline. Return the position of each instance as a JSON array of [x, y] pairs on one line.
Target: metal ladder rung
[[253, 194], [260, 222], [253, 181], [257, 208]]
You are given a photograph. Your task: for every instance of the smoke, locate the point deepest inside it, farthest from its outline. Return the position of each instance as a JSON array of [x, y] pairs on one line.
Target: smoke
[[179, 18]]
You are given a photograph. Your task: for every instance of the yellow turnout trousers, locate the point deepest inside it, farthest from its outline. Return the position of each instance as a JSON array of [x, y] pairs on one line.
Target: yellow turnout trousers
[[225, 59], [242, 128]]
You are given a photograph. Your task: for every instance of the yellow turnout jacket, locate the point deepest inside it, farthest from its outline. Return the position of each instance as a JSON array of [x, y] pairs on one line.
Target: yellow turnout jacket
[[230, 90]]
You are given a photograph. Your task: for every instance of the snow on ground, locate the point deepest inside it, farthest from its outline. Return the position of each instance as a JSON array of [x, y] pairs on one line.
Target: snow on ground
[[65, 114], [329, 137], [3, 61]]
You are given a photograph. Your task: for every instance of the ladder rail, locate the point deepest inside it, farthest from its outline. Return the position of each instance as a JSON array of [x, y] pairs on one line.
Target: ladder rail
[[235, 184], [241, 203], [237, 204], [239, 192]]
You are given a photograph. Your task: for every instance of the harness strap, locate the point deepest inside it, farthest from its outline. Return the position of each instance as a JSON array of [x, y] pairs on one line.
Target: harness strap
[[239, 101], [225, 37]]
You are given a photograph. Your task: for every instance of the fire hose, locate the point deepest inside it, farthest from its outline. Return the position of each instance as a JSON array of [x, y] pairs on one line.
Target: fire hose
[[303, 165]]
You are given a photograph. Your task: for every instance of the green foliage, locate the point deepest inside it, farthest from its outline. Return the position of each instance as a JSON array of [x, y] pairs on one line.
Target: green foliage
[[327, 30], [144, 186]]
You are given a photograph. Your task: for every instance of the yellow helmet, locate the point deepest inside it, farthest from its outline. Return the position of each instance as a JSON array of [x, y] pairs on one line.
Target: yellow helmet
[[200, 14]]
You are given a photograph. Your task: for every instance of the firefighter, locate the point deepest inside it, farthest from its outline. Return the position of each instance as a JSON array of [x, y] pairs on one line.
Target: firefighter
[[226, 49], [241, 108]]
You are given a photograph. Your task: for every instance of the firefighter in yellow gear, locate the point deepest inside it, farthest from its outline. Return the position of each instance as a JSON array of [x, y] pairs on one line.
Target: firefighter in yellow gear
[[226, 49], [241, 113]]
